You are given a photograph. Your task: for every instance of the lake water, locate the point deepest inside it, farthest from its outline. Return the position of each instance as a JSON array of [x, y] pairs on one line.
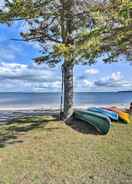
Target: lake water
[[20, 101]]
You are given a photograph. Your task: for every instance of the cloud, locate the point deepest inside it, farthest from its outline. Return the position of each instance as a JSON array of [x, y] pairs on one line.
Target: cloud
[[116, 80], [116, 76], [22, 77], [87, 83], [83, 85], [2, 3], [109, 81], [87, 73], [92, 71], [9, 52], [41, 78]]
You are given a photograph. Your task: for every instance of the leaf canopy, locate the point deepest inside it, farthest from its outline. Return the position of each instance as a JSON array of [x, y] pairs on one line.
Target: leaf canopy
[[74, 30]]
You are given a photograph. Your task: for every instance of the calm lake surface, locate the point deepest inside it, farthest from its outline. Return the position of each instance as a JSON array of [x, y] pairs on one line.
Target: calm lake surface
[[52, 100]]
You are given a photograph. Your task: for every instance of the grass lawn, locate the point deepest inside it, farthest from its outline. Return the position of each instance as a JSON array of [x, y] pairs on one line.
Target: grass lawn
[[42, 150]]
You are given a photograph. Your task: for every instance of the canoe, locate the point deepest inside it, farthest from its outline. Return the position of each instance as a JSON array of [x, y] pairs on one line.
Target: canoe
[[97, 120], [112, 115], [122, 115]]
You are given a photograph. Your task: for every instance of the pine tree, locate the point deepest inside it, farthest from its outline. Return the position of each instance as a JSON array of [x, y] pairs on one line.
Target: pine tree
[[73, 32]]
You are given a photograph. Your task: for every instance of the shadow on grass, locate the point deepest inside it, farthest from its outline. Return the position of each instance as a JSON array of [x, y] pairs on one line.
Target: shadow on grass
[[82, 127], [10, 132]]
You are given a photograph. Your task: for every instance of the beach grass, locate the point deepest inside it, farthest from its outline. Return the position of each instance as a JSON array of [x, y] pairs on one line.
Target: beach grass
[[43, 150]]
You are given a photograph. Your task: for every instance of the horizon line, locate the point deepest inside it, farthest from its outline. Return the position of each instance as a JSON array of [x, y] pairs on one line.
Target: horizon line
[[60, 91]]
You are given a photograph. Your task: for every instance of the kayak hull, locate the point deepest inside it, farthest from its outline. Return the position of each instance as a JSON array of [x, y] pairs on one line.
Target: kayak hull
[[122, 115], [112, 115], [100, 122]]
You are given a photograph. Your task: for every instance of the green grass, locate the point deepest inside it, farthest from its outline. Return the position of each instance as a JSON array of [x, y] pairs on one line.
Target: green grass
[[42, 150]]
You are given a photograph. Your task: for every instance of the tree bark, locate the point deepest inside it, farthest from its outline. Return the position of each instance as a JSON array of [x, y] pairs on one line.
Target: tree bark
[[68, 90]]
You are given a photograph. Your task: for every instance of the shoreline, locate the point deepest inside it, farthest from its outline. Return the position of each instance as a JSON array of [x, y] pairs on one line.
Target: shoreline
[[57, 108], [8, 114]]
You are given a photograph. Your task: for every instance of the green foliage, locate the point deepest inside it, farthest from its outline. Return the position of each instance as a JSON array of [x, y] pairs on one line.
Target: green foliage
[[117, 17], [74, 30], [18, 9]]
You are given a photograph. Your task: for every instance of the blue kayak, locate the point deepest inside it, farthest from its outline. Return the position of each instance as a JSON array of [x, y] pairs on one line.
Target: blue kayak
[[112, 115]]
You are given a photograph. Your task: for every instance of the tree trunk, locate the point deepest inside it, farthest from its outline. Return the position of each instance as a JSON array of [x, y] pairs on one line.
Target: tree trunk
[[68, 90]]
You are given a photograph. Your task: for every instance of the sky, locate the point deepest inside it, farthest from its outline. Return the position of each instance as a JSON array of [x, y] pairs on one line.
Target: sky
[[19, 73]]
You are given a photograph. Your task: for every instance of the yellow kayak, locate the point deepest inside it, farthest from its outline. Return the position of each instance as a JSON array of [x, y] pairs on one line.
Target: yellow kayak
[[122, 115]]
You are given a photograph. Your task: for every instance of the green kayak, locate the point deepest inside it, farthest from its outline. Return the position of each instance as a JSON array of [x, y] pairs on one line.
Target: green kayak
[[99, 121]]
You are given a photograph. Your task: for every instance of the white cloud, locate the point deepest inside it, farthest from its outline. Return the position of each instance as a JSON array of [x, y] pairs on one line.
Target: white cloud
[[83, 85], [22, 77], [41, 78], [116, 80], [87, 83], [92, 71], [116, 76], [2, 5]]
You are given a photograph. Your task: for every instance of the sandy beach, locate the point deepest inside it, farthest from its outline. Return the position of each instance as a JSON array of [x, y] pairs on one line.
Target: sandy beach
[[7, 114]]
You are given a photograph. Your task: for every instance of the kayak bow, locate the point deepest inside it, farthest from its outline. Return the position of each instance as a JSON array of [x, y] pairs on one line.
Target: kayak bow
[[122, 115], [112, 115]]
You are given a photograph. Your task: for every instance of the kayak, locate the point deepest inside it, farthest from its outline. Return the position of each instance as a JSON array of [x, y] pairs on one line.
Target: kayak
[[112, 115], [100, 122], [122, 115]]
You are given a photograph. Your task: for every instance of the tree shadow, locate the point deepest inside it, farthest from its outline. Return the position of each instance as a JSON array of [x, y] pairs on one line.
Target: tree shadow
[[11, 131], [82, 127]]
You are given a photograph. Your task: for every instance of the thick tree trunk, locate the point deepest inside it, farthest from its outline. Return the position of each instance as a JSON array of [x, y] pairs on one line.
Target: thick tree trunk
[[68, 90]]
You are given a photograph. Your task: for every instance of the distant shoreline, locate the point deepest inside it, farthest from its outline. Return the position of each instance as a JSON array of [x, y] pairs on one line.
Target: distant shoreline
[[124, 92], [58, 92]]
